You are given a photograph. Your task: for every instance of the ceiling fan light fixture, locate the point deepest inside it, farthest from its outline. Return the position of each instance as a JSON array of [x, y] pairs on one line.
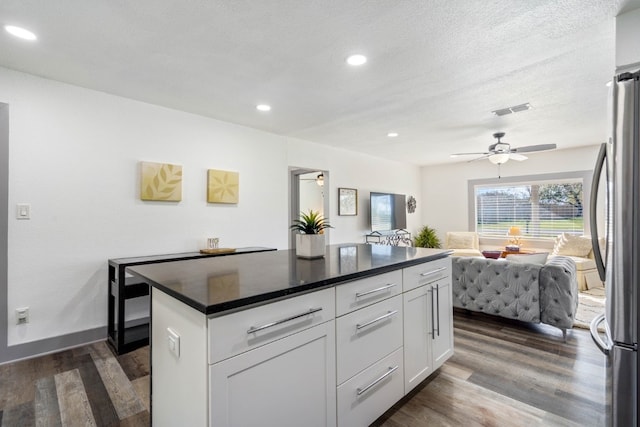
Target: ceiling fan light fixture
[[499, 159]]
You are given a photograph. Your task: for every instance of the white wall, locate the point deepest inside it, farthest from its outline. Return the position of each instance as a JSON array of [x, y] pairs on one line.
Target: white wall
[[445, 187], [364, 173], [74, 157]]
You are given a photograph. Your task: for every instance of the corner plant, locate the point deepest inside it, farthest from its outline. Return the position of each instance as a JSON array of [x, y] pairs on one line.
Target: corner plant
[[427, 238], [310, 223]]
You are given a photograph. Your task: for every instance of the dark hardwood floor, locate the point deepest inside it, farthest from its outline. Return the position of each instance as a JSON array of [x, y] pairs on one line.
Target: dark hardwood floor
[[503, 373], [509, 373]]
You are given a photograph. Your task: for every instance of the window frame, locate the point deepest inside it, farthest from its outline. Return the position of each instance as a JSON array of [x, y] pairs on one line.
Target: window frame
[[585, 176]]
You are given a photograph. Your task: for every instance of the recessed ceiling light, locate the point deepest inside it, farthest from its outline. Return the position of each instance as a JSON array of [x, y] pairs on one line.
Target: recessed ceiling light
[[263, 107], [20, 32], [356, 60], [392, 134]]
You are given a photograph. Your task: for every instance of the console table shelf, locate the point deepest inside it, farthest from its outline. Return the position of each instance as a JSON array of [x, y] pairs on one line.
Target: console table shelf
[[122, 336]]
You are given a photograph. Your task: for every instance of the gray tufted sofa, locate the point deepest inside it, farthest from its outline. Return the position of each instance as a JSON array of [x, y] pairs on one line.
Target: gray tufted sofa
[[528, 292]]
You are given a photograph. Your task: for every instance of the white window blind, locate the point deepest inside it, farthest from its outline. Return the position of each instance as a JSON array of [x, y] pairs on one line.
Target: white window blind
[[539, 209]]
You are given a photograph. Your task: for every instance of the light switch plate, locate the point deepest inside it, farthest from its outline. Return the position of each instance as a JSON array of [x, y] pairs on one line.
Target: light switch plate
[[173, 341]]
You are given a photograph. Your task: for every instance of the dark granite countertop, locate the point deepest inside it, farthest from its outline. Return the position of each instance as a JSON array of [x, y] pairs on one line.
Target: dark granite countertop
[[220, 284]]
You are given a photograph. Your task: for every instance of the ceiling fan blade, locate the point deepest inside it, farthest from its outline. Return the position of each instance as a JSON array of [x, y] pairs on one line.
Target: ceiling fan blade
[[469, 154], [485, 156], [517, 157], [532, 148]]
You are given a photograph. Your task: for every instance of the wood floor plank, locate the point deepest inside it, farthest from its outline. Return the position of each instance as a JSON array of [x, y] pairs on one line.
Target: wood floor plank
[[142, 386], [47, 410], [20, 415], [103, 410], [141, 419], [121, 391], [75, 409], [135, 364]]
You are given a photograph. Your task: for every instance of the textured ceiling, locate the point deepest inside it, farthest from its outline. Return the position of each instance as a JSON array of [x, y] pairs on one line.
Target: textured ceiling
[[436, 69]]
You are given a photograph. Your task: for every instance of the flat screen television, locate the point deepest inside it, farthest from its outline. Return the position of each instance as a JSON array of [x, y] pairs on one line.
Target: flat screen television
[[387, 211]]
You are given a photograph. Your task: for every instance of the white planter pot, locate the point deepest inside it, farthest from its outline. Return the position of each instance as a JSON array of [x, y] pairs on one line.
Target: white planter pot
[[310, 245]]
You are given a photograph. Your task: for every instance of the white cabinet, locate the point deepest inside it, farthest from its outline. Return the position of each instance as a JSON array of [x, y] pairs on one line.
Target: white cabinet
[[274, 364], [363, 292], [365, 336], [342, 355], [443, 329], [366, 396], [417, 337], [288, 382], [428, 321]]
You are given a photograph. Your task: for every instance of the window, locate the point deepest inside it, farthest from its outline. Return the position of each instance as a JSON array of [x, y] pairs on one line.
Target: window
[[538, 208]]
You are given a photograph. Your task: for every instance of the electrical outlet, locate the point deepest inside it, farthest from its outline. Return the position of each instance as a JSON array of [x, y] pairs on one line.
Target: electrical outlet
[[22, 315], [23, 211]]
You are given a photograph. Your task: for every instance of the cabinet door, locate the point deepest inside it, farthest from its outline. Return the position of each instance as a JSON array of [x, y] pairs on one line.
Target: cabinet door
[[417, 336], [443, 327], [289, 382]]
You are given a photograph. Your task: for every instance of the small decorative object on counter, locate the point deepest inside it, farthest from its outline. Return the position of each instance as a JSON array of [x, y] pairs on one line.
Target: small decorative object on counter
[[310, 242], [212, 242]]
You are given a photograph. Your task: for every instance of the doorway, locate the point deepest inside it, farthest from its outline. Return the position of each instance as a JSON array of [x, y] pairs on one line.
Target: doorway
[[308, 189]]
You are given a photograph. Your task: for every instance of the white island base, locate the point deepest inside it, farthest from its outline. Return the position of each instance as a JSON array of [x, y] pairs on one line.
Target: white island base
[[337, 356]]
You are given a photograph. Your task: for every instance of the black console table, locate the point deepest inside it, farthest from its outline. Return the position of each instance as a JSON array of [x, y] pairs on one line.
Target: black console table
[[122, 337], [393, 238]]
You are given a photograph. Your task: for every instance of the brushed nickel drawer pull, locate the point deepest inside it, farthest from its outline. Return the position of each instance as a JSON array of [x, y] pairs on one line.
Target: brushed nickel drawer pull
[[377, 319], [382, 377], [288, 319], [429, 273], [383, 288]]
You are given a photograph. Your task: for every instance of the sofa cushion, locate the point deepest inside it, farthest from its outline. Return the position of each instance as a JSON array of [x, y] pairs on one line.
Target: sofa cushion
[[572, 245], [581, 263], [466, 252], [462, 240], [539, 258]]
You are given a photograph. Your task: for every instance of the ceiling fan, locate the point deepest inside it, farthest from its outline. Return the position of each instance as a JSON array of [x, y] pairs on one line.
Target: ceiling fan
[[501, 152]]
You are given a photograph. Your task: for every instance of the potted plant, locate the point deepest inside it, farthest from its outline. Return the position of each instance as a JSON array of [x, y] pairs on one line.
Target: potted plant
[[427, 238], [310, 238]]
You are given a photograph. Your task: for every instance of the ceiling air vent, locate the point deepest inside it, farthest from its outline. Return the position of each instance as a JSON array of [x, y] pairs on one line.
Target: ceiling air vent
[[514, 109]]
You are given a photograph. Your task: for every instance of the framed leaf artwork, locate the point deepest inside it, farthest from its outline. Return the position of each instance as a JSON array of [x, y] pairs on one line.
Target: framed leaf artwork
[[160, 182], [222, 186]]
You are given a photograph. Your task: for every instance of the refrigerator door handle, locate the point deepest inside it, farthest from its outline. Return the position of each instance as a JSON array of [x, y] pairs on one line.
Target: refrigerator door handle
[[597, 173], [595, 336]]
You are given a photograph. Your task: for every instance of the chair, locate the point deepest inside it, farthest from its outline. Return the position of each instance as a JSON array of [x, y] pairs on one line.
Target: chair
[[463, 243]]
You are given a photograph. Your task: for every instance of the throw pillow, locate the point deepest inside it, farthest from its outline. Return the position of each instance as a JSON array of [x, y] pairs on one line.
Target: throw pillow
[[537, 258], [461, 241], [572, 245]]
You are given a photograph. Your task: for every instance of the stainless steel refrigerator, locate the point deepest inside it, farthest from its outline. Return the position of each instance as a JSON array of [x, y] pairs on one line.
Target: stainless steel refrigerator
[[619, 166]]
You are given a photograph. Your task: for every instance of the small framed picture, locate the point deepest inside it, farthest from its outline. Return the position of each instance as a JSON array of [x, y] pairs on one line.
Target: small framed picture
[[347, 201]]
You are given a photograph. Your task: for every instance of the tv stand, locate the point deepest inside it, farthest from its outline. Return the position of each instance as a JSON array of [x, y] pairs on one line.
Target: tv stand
[[392, 238]]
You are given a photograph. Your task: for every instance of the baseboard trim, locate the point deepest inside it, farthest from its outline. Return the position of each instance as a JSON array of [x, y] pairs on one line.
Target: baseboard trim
[[51, 345]]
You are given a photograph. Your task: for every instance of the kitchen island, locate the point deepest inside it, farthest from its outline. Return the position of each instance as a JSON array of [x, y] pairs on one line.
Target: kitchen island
[[271, 339]]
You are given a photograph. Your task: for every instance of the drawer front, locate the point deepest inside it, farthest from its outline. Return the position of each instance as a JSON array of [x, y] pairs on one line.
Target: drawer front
[[361, 293], [244, 330], [365, 397], [421, 274], [365, 336]]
